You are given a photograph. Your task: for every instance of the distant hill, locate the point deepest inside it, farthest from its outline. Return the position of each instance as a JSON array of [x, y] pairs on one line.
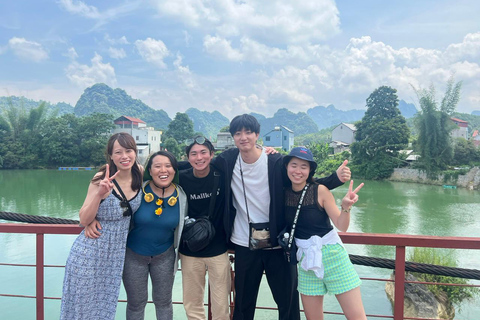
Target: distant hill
[[326, 117], [103, 99], [60, 108], [476, 113], [208, 123], [408, 110], [300, 123]]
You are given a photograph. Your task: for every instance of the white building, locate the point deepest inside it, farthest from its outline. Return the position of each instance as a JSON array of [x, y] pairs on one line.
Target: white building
[[224, 141], [343, 136], [147, 138]]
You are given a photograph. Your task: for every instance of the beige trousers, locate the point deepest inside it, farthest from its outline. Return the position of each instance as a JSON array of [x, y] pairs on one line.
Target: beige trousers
[[193, 281]]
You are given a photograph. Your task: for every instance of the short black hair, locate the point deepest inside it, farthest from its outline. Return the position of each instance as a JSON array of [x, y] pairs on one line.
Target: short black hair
[[207, 144], [244, 121]]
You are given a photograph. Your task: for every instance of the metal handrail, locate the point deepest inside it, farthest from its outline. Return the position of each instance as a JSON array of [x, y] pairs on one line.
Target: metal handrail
[[400, 242]]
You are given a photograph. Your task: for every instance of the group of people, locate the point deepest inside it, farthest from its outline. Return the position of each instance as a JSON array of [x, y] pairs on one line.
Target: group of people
[[134, 218]]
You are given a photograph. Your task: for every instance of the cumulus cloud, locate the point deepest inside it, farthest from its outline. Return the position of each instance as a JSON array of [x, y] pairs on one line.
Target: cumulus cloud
[[85, 76], [153, 51], [80, 8], [27, 50], [116, 53], [274, 21], [221, 48]]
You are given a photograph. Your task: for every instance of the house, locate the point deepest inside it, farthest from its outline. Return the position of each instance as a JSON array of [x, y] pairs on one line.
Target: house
[[224, 141], [411, 157], [147, 138], [476, 138], [343, 136], [462, 129], [279, 137]]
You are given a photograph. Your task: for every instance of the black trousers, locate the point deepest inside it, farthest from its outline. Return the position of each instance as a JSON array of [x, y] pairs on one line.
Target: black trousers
[[281, 278]]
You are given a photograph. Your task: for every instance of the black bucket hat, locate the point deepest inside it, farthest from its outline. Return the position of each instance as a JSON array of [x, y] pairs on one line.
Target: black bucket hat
[[301, 153]]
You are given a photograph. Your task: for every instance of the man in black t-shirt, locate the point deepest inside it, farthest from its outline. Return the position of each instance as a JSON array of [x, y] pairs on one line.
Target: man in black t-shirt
[[198, 182]]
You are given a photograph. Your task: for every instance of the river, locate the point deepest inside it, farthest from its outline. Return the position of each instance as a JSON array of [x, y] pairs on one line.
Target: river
[[384, 207]]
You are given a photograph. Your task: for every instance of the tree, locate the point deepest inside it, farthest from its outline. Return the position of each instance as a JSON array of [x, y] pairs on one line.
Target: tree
[[434, 126], [20, 135], [170, 144], [181, 128], [380, 135], [464, 152]]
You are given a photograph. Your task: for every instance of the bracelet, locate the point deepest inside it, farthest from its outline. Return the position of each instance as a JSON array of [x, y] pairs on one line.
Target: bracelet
[[346, 210]]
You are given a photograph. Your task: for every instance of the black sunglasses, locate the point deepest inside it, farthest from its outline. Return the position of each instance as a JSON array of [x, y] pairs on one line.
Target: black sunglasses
[[126, 208]]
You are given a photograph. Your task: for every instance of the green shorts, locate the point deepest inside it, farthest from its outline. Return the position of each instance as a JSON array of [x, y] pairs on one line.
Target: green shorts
[[339, 275]]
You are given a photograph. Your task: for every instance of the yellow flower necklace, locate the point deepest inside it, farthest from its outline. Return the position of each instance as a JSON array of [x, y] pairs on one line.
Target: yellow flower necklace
[[148, 197]]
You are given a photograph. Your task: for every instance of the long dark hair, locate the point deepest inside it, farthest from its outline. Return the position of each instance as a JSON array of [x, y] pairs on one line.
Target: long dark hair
[[126, 141]]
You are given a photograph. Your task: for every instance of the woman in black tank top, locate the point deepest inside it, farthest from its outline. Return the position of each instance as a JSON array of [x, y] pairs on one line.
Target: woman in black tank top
[[315, 237]]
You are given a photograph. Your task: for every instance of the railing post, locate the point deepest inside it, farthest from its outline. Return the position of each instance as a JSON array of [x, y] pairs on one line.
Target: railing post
[[40, 277], [399, 283]]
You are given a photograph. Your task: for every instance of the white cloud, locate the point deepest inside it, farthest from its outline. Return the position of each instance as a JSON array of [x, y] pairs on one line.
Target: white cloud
[[85, 76], [117, 53], [468, 49], [120, 41], [72, 53], [221, 48], [153, 51], [80, 8], [27, 50], [274, 21]]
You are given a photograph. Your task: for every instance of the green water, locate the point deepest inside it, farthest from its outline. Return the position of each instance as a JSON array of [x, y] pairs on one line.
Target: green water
[[384, 207]]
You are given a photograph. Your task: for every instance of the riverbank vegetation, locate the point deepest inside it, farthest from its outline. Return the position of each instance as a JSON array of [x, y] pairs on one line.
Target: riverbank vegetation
[[455, 294], [37, 139]]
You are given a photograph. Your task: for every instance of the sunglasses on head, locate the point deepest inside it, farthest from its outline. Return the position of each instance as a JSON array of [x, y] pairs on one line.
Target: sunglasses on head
[[197, 140], [126, 208]]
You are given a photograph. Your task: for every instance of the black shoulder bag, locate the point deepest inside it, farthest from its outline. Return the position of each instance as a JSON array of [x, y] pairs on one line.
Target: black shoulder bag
[[286, 240], [198, 233]]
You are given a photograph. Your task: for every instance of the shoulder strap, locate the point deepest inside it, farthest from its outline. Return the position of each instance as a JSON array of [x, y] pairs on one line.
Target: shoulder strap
[[122, 194], [290, 239], [216, 178]]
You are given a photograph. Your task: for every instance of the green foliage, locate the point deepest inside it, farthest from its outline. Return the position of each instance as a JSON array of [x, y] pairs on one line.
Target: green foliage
[[465, 152], [331, 163], [181, 128], [225, 129], [430, 256], [31, 139], [380, 135], [170, 144], [434, 126], [322, 136], [320, 151]]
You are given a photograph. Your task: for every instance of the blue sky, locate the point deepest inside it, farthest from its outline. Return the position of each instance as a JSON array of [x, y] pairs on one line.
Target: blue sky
[[239, 56]]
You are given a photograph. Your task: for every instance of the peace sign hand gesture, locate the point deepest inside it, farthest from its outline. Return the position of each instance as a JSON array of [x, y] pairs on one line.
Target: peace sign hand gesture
[[106, 185], [351, 197]]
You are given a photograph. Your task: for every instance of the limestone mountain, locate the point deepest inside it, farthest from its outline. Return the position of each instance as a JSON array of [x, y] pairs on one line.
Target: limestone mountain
[[101, 98], [326, 117], [300, 123], [208, 123]]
